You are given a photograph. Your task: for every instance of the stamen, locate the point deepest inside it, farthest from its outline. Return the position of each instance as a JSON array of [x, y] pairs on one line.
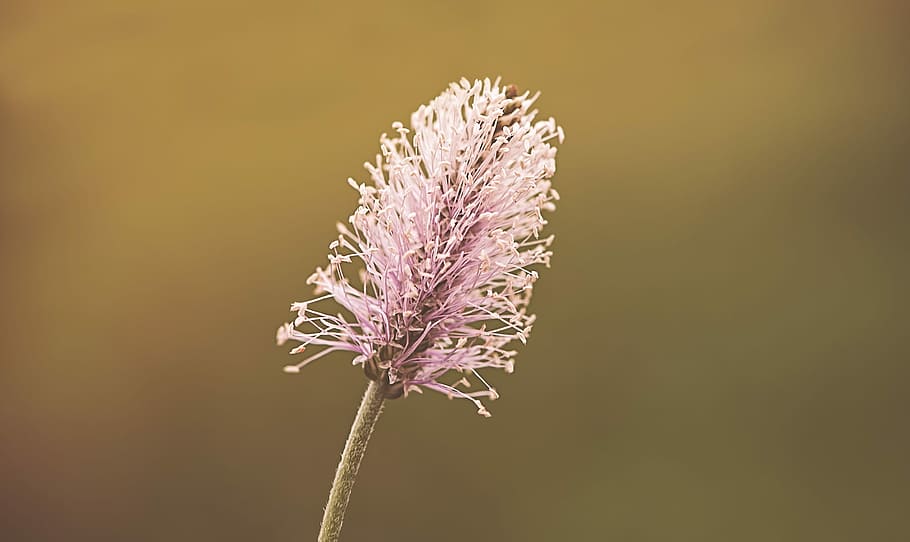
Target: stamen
[[442, 241]]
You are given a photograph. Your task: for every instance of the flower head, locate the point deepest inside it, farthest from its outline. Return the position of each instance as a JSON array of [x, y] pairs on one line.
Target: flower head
[[434, 269]]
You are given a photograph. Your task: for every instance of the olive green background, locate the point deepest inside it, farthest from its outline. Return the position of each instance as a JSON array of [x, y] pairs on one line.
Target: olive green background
[[721, 352]]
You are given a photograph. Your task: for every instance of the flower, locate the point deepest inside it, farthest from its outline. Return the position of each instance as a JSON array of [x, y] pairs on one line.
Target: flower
[[443, 241]]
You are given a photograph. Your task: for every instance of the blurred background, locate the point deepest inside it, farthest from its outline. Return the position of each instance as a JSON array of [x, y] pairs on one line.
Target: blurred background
[[722, 344]]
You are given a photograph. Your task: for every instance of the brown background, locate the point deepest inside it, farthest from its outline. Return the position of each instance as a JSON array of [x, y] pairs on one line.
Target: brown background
[[721, 351]]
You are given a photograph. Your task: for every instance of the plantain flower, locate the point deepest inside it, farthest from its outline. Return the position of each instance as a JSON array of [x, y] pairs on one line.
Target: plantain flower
[[435, 268]]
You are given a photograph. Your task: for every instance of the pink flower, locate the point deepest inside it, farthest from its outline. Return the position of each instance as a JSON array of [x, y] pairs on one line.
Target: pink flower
[[443, 243]]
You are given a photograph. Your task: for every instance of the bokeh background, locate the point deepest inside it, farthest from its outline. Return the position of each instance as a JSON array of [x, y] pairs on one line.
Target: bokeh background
[[722, 344]]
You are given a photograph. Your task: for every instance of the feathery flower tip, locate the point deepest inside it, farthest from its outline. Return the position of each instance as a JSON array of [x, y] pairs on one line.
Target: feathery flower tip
[[434, 271]]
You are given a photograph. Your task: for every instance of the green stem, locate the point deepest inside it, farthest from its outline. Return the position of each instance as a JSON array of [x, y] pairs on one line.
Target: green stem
[[354, 448]]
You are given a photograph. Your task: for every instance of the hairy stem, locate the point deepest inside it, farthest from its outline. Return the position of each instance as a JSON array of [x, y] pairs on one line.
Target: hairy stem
[[354, 448]]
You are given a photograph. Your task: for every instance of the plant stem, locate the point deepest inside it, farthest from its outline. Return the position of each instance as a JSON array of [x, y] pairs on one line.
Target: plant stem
[[367, 414]]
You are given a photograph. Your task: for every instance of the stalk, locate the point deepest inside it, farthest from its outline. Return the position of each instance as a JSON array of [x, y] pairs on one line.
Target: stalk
[[354, 448]]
